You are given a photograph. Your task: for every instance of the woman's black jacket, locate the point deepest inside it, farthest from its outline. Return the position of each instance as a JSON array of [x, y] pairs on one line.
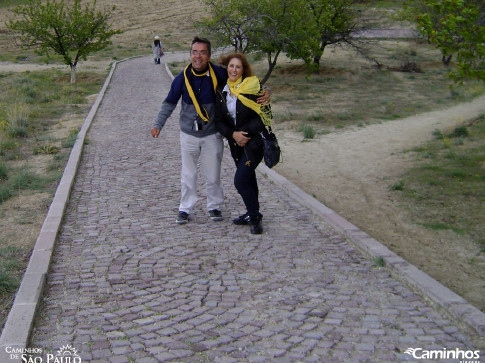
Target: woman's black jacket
[[247, 120]]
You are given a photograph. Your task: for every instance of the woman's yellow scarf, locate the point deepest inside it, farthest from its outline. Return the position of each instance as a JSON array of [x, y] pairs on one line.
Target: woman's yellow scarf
[[251, 85]]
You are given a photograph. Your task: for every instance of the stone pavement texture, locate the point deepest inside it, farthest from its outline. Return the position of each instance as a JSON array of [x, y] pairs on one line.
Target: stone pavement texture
[[127, 284]]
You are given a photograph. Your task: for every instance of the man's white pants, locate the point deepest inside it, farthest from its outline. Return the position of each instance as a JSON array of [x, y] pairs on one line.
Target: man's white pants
[[209, 150]]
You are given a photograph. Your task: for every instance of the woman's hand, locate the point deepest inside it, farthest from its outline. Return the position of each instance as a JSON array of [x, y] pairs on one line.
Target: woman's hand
[[240, 137]]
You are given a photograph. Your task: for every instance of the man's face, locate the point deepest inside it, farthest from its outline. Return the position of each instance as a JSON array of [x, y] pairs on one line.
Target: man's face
[[199, 56]]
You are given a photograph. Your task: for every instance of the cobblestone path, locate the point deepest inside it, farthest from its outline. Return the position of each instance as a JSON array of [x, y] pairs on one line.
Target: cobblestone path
[[127, 284]]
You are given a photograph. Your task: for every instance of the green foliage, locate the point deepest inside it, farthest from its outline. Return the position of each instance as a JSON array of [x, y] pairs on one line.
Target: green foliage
[[334, 21], [446, 190], [398, 185], [9, 269], [7, 282], [17, 132], [379, 261], [5, 193], [460, 131], [228, 24], [3, 172], [456, 28], [26, 180], [308, 132], [71, 139], [6, 146], [298, 28], [72, 32], [46, 149]]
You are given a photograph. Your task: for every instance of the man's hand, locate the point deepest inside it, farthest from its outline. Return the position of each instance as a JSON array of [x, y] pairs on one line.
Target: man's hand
[[264, 99], [155, 132]]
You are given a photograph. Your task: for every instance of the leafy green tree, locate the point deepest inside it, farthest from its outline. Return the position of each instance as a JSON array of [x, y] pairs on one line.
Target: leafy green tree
[[281, 26], [301, 29], [412, 9], [72, 32], [268, 26], [227, 24], [335, 21], [456, 27]]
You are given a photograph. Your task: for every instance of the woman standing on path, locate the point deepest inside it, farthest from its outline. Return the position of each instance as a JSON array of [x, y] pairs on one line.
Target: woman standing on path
[[157, 49], [240, 119]]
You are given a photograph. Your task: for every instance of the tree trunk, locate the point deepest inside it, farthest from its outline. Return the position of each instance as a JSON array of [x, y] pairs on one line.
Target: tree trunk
[[73, 74], [271, 65], [446, 59], [316, 64], [317, 57]]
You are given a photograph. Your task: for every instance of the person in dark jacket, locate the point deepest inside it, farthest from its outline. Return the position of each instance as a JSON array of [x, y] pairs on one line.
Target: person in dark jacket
[[241, 120]]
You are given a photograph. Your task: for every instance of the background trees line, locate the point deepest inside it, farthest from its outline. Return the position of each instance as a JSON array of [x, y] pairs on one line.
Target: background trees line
[[302, 29]]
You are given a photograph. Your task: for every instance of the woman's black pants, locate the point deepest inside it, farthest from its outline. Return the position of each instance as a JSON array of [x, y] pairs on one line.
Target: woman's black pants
[[247, 185]]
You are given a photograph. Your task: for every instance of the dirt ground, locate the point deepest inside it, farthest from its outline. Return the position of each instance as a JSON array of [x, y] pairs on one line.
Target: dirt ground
[[351, 171]]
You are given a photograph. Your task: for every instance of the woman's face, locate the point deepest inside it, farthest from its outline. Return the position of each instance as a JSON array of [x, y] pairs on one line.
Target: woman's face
[[234, 69]]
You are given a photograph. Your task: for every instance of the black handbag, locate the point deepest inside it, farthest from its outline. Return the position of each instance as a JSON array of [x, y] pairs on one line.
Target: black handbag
[[272, 151]]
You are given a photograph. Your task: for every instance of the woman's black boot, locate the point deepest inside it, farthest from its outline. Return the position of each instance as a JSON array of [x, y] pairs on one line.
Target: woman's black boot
[[256, 225], [242, 220]]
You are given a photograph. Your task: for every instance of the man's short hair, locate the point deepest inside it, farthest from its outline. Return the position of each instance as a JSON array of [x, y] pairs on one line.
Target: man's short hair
[[203, 40]]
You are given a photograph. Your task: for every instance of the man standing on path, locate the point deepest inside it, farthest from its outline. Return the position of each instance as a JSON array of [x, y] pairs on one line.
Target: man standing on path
[[199, 138]]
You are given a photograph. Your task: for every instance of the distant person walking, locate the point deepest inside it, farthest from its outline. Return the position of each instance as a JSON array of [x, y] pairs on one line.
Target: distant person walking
[[157, 48]]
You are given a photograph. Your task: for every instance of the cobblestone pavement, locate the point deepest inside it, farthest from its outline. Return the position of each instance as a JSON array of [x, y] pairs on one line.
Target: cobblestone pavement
[[127, 284]]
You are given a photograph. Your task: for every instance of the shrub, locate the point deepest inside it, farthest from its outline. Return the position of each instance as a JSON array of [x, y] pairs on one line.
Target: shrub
[[438, 134], [7, 282], [308, 132], [46, 149], [399, 185], [27, 180], [18, 115], [461, 131], [3, 172], [5, 193], [71, 139], [17, 132]]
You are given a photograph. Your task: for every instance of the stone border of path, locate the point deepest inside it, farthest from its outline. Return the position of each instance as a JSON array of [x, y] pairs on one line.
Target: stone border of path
[[17, 329]]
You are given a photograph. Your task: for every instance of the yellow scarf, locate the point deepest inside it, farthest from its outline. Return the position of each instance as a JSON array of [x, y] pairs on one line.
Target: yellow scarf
[[202, 113], [252, 86]]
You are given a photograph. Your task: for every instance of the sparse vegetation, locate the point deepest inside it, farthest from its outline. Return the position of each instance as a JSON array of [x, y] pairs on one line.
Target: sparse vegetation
[[22, 124], [379, 261], [308, 132], [446, 187], [399, 185]]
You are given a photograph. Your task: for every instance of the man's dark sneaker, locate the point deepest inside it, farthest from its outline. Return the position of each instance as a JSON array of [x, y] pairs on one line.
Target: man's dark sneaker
[[216, 215], [255, 222], [182, 217], [242, 220]]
